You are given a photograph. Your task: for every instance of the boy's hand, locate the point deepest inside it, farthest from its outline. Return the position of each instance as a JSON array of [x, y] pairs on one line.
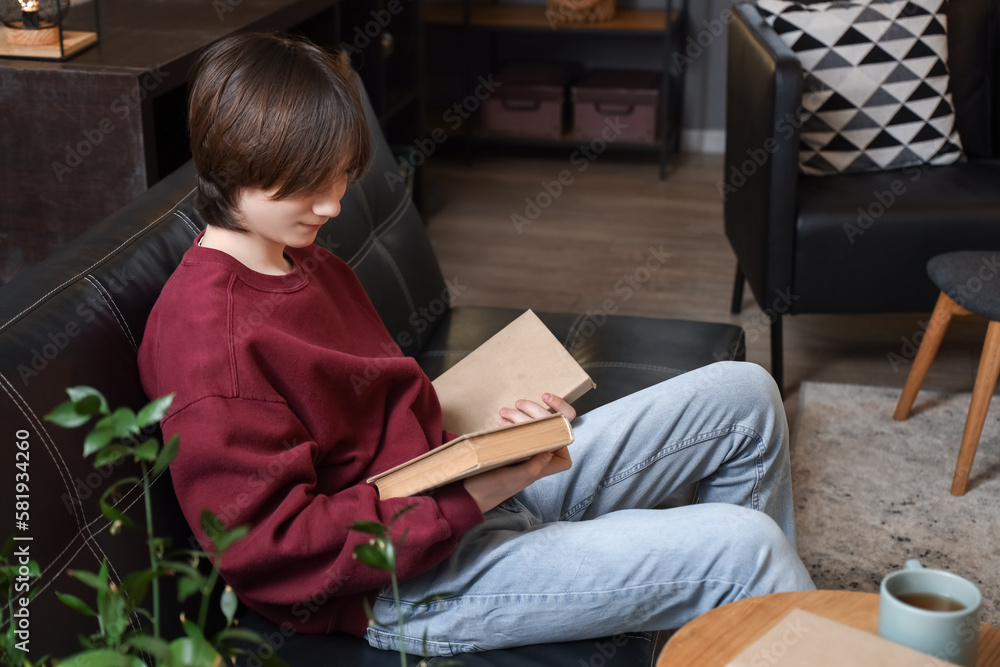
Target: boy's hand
[[491, 488], [525, 410]]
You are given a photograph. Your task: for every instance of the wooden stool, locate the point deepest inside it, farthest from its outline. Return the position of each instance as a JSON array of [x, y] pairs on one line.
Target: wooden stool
[[966, 283]]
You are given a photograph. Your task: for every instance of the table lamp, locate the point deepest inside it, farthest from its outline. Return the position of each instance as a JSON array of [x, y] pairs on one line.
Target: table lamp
[[33, 22]]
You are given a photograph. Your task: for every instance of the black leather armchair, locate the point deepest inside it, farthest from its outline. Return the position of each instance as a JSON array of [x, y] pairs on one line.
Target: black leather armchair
[[78, 318], [851, 243]]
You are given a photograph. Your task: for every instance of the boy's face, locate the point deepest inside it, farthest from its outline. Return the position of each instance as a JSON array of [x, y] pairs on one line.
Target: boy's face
[[292, 222]]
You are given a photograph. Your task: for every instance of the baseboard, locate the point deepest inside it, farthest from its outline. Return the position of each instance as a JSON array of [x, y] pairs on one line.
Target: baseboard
[[703, 141]]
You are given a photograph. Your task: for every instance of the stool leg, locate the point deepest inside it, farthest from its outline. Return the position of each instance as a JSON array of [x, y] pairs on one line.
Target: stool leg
[[940, 319], [986, 381]]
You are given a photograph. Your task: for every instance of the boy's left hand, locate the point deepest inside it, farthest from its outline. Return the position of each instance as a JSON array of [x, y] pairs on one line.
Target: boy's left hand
[[525, 410]]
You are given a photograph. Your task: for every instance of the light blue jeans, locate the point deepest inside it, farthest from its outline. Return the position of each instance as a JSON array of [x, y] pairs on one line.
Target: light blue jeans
[[611, 546]]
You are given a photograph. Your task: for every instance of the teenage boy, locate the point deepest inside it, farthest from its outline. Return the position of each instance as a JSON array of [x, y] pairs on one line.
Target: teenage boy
[[258, 333]]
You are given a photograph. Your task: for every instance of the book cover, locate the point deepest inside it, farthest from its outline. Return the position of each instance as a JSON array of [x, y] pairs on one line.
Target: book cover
[[473, 453], [523, 360], [802, 639]]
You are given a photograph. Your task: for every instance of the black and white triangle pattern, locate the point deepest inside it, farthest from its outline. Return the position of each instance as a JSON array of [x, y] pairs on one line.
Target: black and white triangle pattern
[[875, 93]]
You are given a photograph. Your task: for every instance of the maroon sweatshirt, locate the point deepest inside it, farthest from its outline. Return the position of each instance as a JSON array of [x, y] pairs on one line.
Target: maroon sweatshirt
[[290, 393]]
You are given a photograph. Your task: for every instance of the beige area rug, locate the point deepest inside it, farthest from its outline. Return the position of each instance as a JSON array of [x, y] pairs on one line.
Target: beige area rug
[[871, 492]]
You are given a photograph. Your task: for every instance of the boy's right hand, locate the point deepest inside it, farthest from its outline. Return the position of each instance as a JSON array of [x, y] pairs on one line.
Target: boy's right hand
[[491, 488]]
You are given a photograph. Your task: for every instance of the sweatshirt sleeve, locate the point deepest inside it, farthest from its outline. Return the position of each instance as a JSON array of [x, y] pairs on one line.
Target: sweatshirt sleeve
[[253, 463]]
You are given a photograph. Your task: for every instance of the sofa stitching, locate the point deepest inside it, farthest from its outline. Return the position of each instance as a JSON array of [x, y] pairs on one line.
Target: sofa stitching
[[626, 364], [22, 406], [183, 216], [114, 307], [49, 447], [95, 264], [404, 288], [394, 216], [366, 248], [377, 232], [362, 253]]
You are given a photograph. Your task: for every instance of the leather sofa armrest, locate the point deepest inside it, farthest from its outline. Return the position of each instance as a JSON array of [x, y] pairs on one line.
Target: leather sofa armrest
[[763, 104]]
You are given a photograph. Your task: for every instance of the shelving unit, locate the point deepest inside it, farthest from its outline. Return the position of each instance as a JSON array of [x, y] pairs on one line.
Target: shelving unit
[[385, 40], [492, 18]]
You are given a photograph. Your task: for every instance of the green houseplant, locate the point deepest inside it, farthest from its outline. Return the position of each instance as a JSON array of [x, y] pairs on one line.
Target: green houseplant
[[119, 434]]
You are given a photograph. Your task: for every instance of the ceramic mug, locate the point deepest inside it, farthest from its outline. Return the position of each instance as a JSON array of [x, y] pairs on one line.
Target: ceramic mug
[[951, 635]]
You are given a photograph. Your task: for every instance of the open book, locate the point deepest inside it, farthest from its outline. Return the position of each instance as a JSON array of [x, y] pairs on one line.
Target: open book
[[523, 360], [472, 454]]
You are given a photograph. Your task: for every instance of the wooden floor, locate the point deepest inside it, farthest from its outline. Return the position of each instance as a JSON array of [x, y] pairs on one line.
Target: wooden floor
[[572, 252]]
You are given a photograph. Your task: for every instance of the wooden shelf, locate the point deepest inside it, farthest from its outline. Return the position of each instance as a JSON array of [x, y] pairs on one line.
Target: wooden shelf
[[533, 17]]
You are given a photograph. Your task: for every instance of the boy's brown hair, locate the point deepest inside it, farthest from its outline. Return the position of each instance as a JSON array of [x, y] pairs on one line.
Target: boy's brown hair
[[268, 111]]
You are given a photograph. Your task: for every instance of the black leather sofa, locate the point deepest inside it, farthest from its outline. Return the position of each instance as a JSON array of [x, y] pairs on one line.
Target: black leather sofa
[[787, 230], [78, 318]]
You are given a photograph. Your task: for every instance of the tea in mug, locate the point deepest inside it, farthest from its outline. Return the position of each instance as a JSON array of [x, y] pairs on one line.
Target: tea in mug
[[930, 601]]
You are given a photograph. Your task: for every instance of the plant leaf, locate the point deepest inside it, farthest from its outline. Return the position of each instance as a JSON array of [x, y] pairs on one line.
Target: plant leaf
[[104, 657], [153, 412], [88, 400], [240, 634], [403, 511], [194, 650], [370, 613], [167, 454], [65, 415], [372, 556], [228, 603], [135, 586], [76, 603], [89, 578], [123, 420], [148, 450], [113, 514], [110, 455], [369, 527], [187, 586], [179, 566], [216, 531], [110, 608], [102, 434], [157, 647]]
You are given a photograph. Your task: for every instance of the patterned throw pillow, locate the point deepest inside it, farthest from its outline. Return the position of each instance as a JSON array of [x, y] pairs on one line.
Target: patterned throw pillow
[[875, 93]]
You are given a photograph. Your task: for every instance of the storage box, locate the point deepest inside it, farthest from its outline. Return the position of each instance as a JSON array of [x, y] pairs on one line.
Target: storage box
[[617, 105], [529, 102]]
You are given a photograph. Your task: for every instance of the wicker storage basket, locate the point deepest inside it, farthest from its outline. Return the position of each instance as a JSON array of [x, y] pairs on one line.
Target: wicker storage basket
[[580, 11]]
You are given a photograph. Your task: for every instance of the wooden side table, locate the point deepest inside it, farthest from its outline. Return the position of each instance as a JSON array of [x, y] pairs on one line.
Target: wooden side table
[[715, 638]]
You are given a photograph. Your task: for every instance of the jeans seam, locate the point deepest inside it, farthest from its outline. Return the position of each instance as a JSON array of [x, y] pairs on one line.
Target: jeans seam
[[672, 448], [380, 637]]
